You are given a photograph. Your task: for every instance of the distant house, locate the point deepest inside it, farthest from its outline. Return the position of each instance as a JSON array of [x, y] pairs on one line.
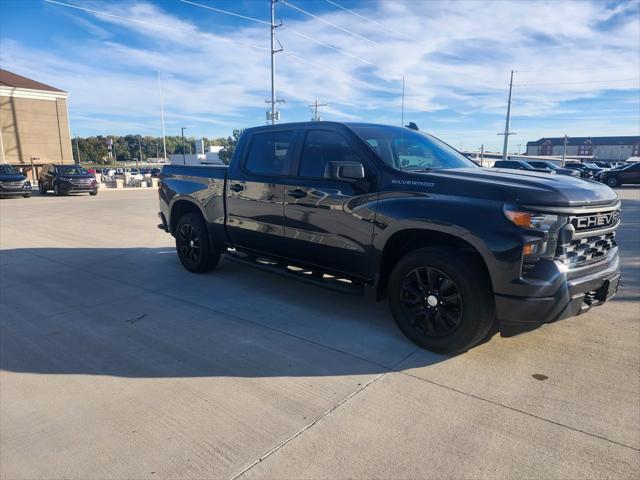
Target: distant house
[[34, 123], [611, 149]]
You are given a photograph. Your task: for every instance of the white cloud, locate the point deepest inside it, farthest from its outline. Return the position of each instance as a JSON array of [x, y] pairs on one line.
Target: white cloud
[[456, 57]]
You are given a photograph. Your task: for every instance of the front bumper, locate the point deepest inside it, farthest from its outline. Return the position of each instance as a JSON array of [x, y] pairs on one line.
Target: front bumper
[[575, 295], [66, 187], [14, 193]]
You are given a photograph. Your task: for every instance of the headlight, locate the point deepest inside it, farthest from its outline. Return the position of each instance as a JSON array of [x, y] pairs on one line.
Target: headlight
[[546, 223], [543, 222], [26, 185]]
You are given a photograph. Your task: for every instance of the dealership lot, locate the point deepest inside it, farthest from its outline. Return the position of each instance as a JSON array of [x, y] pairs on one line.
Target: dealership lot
[[117, 363]]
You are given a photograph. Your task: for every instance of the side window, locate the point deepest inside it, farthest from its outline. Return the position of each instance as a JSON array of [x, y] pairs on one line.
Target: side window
[[269, 153], [322, 147]]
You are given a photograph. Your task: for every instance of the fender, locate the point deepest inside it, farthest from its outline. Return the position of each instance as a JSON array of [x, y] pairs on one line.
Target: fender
[[428, 212]]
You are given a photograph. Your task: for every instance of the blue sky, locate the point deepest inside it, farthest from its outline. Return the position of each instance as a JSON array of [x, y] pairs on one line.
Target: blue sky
[[577, 63]]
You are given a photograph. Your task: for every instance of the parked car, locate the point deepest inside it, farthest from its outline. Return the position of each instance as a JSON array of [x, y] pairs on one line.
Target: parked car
[[552, 166], [586, 170], [520, 165], [603, 165], [13, 183], [629, 174], [65, 179], [454, 247]]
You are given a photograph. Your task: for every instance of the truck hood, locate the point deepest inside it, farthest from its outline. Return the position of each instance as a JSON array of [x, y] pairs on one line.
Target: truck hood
[[521, 187]]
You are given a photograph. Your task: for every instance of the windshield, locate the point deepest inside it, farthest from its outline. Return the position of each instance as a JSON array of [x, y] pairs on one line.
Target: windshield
[[71, 170], [592, 165], [409, 150], [7, 170]]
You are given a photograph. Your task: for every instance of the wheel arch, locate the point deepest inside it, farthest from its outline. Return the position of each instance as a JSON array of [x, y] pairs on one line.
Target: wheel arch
[[181, 206], [414, 236]]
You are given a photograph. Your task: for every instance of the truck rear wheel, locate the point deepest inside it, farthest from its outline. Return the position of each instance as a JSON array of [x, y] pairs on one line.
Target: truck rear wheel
[[193, 246], [441, 300]]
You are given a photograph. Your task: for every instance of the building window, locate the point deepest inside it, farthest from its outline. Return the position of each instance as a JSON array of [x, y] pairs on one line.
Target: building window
[[586, 149], [546, 148], [636, 150]]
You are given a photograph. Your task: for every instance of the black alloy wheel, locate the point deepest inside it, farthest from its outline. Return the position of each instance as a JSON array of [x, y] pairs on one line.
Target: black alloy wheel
[[441, 298], [189, 243], [612, 181], [432, 302], [192, 244]]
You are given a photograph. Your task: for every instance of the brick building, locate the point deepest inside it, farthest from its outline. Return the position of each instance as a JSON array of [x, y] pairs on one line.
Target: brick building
[[34, 123], [608, 149]]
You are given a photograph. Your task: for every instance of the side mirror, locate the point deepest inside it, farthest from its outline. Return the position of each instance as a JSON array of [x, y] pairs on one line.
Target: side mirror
[[350, 171]]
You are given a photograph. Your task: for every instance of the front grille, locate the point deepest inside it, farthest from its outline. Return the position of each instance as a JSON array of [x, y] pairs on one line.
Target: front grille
[[586, 250]]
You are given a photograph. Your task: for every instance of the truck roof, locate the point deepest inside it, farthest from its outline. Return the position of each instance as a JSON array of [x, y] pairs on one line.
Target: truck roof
[[314, 123]]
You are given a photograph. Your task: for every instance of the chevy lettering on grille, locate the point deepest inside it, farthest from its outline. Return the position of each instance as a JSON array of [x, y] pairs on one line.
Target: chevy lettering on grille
[[598, 220]]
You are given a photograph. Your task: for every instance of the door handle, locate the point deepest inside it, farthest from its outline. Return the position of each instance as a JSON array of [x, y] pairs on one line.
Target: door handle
[[297, 193], [236, 187]]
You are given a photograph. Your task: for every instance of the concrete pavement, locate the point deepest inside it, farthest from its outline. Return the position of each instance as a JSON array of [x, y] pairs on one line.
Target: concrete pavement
[[117, 363]]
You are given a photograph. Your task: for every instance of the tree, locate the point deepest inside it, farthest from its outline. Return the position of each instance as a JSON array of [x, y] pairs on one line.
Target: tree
[[228, 146]]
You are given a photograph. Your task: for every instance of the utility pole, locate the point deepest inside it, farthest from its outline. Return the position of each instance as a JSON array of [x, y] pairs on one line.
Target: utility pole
[[184, 158], [316, 112], [564, 148], [274, 115], [78, 149], [140, 152], [506, 132], [402, 108], [164, 140]]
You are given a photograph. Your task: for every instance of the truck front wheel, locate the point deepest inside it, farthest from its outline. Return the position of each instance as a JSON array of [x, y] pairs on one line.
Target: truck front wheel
[[193, 246], [441, 300]]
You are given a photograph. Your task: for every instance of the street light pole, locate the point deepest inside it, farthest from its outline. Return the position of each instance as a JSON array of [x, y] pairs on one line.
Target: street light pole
[[140, 152], [564, 149], [184, 158]]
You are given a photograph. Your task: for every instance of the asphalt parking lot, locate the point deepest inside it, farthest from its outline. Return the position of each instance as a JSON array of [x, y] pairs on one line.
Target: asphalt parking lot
[[117, 363]]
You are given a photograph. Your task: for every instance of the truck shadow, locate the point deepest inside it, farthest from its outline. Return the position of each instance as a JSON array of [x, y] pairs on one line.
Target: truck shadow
[[136, 313]]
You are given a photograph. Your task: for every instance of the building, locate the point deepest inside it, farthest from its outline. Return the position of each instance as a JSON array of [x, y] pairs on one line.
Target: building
[[207, 158], [34, 123], [609, 149]]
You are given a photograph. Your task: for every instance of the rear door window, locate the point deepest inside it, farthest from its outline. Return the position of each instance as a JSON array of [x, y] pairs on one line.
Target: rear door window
[[270, 153]]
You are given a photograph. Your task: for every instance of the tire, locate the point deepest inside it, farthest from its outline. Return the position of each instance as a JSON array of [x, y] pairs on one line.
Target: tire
[[42, 189], [441, 300], [94, 193], [193, 246], [613, 182], [56, 190], [27, 195]]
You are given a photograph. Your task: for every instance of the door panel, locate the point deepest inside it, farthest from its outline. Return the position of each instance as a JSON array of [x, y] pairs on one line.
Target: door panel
[[331, 225], [329, 222], [255, 192]]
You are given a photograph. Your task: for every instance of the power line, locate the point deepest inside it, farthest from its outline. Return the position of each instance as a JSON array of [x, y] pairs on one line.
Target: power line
[[227, 12], [365, 18], [326, 45], [329, 23], [295, 32], [608, 67], [576, 83], [151, 24]]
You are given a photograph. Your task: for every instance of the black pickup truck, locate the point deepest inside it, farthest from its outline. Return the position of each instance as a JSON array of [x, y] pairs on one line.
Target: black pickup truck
[[454, 247]]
